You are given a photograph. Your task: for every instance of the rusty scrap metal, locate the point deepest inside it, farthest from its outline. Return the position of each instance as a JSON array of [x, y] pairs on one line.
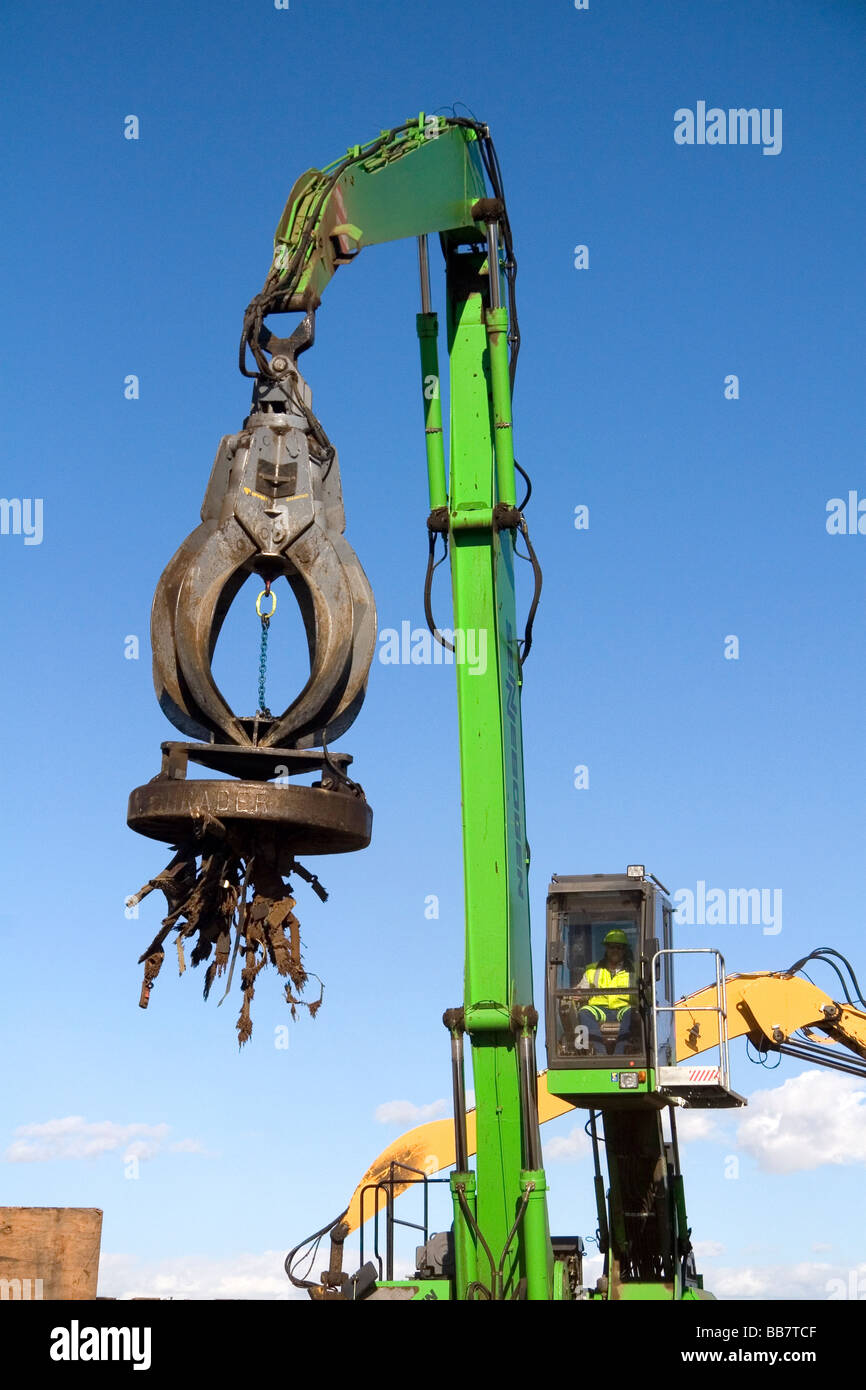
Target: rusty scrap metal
[[231, 837], [266, 929]]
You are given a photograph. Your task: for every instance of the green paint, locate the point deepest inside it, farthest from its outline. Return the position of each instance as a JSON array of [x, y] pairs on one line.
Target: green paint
[[594, 1082], [537, 1249], [465, 1242], [428, 329], [425, 1290], [498, 967], [642, 1293], [418, 183], [497, 334]]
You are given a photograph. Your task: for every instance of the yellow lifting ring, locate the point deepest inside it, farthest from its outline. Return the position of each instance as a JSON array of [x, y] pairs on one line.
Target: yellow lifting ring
[[269, 594]]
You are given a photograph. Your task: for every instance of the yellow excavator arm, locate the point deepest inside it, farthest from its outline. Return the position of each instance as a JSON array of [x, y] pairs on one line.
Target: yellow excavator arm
[[767, 1008], [427, 1150]]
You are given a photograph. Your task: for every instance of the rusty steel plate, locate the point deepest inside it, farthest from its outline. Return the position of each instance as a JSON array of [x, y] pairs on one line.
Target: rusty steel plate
[[296, 819]]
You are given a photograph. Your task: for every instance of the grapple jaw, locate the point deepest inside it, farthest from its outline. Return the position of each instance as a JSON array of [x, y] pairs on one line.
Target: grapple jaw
[[273, 507]]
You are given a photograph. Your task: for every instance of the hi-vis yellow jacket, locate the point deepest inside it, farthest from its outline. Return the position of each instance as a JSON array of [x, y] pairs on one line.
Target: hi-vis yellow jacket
[[598, 977]]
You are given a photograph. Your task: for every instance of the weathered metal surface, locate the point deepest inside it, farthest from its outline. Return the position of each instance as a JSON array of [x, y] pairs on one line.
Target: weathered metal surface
[[293, 819], [217, 887], [273, 507], [256, 764]]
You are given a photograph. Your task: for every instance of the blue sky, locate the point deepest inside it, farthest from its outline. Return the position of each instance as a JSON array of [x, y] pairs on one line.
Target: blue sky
[[707, 519]]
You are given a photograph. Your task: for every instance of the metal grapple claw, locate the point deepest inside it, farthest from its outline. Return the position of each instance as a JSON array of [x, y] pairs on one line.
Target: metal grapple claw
[[273, 507]]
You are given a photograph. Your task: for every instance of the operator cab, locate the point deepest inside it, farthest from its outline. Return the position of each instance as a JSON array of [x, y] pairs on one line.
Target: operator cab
[[603, 933]]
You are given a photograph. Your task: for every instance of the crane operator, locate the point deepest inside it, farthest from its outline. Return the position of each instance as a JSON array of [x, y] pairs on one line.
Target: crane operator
[[613, 981]]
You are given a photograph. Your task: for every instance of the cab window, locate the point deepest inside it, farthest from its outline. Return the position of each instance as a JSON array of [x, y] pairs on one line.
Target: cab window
[[595, 979]]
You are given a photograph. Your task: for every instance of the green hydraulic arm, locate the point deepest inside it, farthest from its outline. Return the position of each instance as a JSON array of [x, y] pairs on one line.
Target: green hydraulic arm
[[424, 176], [436, 174]]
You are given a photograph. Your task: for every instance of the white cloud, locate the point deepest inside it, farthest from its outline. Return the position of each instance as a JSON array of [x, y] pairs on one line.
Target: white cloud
[[245, 1276], [567, 1148], [403, 1112], [805, 1280], [813, 1119], [145, 1147], [593, 1268], [708, 1249], [187, 1146], [694, 1125], [258, 1276], [73, 1137]]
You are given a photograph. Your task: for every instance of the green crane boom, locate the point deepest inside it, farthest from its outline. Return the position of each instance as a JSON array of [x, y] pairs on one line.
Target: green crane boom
[[429, 176], [441, 175]]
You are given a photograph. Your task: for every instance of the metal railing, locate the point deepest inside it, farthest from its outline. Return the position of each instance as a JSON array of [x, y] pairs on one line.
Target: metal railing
[[386, 1187], [720, 1007]]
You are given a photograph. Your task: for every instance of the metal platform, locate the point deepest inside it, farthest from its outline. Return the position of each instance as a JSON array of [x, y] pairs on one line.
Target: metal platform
[[698, 1087]]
